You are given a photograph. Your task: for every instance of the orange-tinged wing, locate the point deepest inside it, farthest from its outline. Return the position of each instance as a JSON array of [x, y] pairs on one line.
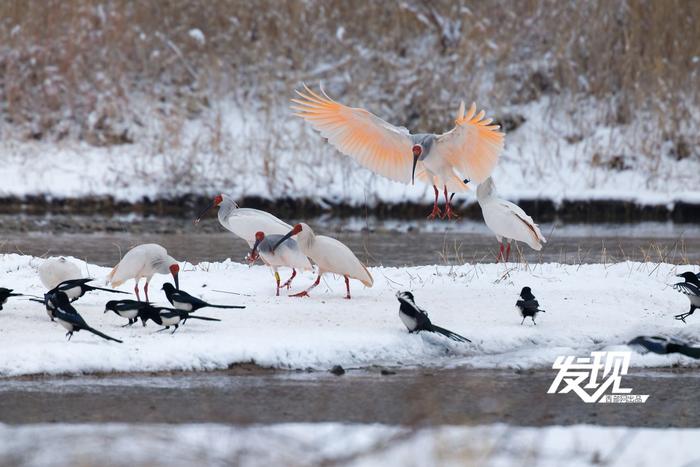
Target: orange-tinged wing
[[472, 147], [374, 143]]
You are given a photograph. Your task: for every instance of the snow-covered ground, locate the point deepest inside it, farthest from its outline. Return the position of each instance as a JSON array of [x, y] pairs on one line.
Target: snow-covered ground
[[587, 307], [553, 155], [340, 444]]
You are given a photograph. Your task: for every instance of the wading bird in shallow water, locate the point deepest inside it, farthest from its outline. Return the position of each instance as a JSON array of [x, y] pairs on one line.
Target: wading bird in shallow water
[[181, 300], [507, 220], [144, 261], [68, 317], [469, 151], [415, 319], [528, 305], [244, 222], [287, 254], [53, 271], [691, 289], [330, 255]]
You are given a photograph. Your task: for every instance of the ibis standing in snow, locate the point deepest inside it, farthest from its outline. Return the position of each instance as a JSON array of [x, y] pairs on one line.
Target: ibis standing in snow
[[415, 319], [181, 300], [469, 151], [53, 271], [690, 287], [287, 254], [528, 305], [5, 294], [507, 220], [244, 222], [330, 255], [76, 288], [144, 261], [68, 317]]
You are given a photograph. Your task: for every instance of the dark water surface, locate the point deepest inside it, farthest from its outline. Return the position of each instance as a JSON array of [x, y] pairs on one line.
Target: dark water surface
[[415, 397], [100, 240]]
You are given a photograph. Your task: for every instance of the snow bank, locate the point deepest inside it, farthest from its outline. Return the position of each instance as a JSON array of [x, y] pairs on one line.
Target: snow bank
[[333, 443], [587, 307], [553, 155]]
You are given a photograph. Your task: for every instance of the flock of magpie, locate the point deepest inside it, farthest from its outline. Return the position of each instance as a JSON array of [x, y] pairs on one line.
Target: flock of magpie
[[58, 303]]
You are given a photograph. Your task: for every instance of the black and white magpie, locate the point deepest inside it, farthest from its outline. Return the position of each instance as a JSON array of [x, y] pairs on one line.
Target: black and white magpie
[[691, 289], [664, 345], [181, 300], [171, 317], [68, 317], [129, 309], [528, 306], [416, 319], [49, 303], [76, 288], [5, 294]]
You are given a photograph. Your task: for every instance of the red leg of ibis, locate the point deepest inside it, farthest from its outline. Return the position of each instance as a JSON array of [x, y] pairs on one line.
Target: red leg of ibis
[[500, 253], [305, 293], [288, 284], [508, 252], [145, 290], [347, 286], [436, 210], [449, 212], [136, 291]]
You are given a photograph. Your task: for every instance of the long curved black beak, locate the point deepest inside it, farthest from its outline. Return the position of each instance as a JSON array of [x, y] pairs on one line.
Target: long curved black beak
[[283, 239], [203, 212], [177, 280], [413, 171]]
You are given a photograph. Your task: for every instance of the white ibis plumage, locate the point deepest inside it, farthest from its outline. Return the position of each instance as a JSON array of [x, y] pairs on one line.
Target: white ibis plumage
[[245, 222], [144, 261], [468, 152], [287, 254], [330, 255], [507, 220], [53, 271]]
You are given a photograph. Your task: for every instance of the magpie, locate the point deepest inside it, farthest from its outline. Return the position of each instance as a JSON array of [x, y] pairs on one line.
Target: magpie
[[181, 300], [171, 317], [691, 289], [416, 319], [129, 309], [68, 317], [528, 306], [663, 345], [49, 303], [76, 288], [5, 294]]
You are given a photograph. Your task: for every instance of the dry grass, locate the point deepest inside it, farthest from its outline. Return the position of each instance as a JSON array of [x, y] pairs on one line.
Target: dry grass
[[116, 72]]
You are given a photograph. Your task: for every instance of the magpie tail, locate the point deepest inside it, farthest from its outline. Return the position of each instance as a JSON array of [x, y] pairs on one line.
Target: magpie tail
[[449, 334], [204, 318], [102, 335], [90, 287], [225, 306]]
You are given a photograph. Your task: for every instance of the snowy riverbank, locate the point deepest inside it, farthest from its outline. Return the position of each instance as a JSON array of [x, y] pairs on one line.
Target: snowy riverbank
[[353, 444], [588, 307]]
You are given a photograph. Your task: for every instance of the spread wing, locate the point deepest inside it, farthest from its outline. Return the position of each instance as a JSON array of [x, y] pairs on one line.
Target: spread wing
[[687, 288], [374, 143], [473, 146]]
